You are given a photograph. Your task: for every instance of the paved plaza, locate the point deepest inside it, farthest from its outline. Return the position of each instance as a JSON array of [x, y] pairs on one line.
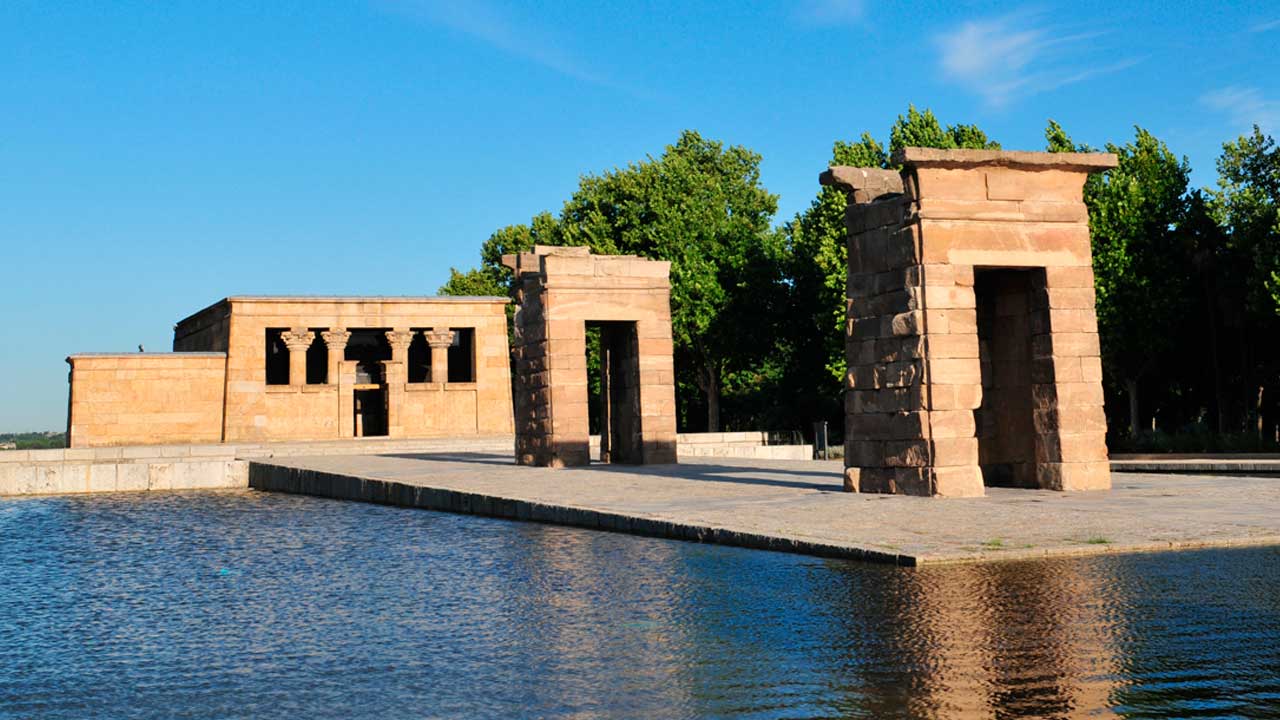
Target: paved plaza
[[799, 506]]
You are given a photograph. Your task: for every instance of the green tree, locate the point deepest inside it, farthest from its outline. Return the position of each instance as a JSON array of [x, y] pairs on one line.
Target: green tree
[[816, 243], [1246, 206], [1141, 273], [701, 206], [476, 281]]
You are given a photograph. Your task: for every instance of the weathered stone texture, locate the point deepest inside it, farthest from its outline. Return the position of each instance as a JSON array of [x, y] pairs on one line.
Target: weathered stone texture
[[972, 343], [559, 290]]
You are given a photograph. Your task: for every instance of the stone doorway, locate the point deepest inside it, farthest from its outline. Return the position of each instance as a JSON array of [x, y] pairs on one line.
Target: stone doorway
[[560, 290], [1005, 422], [370, 412], [618, 403]]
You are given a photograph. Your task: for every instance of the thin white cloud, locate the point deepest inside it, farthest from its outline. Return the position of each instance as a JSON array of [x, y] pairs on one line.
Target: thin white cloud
[[830, 12], [1245, 106], [1014, 56], [1265, 26], [487, 23]]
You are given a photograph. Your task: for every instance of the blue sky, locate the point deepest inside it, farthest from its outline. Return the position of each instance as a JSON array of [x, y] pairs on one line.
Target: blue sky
[[155, 157]]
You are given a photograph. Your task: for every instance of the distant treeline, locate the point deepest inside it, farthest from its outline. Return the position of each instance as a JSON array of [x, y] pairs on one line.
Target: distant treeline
[[1188, 281], [33, 440]]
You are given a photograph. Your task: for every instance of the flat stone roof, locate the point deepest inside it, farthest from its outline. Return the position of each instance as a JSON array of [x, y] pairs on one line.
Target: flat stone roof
[[933, 157], [369, 298], [434, 299], [75, 356]]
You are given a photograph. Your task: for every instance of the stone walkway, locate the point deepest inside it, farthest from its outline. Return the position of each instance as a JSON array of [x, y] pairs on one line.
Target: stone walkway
[[798, 506]]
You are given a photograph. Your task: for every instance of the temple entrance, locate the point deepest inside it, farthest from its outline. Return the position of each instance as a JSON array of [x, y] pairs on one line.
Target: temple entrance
[[1005, 424], [371, 412], [615, 390]]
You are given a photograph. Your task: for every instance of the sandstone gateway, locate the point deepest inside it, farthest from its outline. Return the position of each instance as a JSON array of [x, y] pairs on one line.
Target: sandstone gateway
[[972, 344], [972, 347]]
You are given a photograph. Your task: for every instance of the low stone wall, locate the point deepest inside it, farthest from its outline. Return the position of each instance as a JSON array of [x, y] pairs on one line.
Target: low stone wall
[[728, 445], [135, 398], [190, 467], [739, 445]]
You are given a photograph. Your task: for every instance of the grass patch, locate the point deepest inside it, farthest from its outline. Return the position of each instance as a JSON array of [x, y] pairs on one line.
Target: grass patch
[[1097, 541], [994, 543]]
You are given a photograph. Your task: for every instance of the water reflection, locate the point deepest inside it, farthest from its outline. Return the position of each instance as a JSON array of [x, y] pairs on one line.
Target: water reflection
[[245, 605]]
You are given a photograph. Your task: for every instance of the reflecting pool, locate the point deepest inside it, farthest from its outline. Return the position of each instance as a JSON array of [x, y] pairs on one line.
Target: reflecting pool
[[240, 605]]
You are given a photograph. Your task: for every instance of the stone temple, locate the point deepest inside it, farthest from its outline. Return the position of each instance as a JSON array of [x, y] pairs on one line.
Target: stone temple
[[254, 369], [972, 343]]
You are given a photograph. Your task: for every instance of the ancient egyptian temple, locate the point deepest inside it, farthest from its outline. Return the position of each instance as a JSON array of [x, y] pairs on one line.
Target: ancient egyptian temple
[[972, 343], [251, 369]]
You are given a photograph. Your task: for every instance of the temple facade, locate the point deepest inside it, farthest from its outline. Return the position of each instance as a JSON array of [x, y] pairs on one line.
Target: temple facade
[[253, 369]]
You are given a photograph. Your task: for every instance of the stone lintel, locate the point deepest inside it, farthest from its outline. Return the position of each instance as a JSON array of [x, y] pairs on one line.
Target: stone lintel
[[933, 157], [863, 185]]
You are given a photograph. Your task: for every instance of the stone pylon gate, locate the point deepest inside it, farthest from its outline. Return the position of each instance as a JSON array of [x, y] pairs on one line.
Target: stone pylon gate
[[559, 291], [972, 343]]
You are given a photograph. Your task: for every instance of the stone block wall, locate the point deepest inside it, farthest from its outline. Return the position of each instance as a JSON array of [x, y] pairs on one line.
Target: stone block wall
[[142, 398], [560, 290], [918, 241]]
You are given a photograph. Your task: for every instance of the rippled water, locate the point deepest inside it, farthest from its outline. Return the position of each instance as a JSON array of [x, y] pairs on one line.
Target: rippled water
[[257, 605]]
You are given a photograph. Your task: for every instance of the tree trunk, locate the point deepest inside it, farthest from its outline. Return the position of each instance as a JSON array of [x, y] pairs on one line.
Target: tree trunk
[[1258, 411], [712, 390], [1218, 400], [1131, 388]]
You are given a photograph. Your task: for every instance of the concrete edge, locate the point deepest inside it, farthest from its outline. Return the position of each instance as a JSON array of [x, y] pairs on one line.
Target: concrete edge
[[303, 481]]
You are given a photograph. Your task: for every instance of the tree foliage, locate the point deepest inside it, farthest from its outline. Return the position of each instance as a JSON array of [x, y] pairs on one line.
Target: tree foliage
[[701, 206], [1187, 281]]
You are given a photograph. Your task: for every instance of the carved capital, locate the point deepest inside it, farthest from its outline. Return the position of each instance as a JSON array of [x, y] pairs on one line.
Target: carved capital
[[439, 338], [298, 339], [400, 339], [336, 339]]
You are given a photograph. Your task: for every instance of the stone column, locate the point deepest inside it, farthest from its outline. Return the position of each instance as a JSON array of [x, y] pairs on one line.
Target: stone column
[[439, 340], [400, 339], [336, 342], [394, 377], [298, 340], [346, 379]]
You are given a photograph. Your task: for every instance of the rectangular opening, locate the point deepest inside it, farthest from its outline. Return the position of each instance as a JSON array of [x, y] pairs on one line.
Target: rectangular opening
[[462, 356], [368, 347], [371, 412], [317, 360], [1006, 427], [419, 358], [613, 368], [277, 358]]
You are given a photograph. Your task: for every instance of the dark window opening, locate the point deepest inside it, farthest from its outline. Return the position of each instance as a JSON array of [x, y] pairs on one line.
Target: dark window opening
[[317, 360], [419, 360], [277, 363], [368, 347], [462, 356]]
